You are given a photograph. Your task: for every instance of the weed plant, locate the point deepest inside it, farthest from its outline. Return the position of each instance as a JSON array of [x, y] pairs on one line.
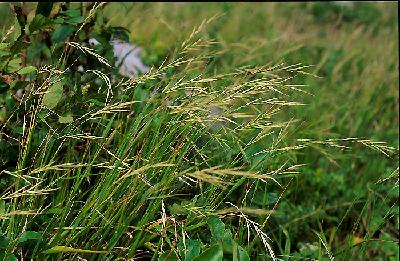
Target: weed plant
[[211, 155]]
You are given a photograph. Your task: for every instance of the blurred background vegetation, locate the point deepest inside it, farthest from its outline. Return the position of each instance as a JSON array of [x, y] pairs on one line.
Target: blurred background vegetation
[[353, 49]]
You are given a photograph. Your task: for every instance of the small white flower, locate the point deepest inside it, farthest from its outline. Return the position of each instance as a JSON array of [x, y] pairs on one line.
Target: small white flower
[[93, 42]]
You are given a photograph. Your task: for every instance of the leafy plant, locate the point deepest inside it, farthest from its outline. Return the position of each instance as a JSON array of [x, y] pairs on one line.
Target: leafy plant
[[198, 159]]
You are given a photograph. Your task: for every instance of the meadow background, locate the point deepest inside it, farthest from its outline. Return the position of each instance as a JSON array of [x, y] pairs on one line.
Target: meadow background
[[342, 204]]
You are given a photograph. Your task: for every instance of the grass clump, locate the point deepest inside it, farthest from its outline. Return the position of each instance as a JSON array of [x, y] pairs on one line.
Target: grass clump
[[206, 143]]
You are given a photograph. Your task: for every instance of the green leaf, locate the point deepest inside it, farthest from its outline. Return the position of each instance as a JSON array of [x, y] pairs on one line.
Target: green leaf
[[34, 51], [4, 53], [62, 33], [230, 246], [16, 48], [242, 254], [214, 253], [75, 20], [14, 65], [27, 69], [64, 249], [4, 241], [59, 20], [287, 242], [9, 257], [2, 209], [141, 94], [39, 22], [18, 129], [217, 227], [3, 46], [66, 119], [16, 85], [177, 209], [29, 235], [17, 29], [96, 102], [193, 249], [99, 20], [3, 86], [54, 211], [53, 95], [72, 12]]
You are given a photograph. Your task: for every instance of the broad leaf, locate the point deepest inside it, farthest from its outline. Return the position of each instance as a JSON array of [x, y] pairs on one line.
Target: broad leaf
[[75, 20], [27, 69], [214, 253], [4, 241], [193, 249], [9, 257], [72, 12], [62, 33], [34, 51], [39, 22], [17, 29], [230, 246], [53, 95], [217, 227], [241, 254], [14, 65], [29, 235]]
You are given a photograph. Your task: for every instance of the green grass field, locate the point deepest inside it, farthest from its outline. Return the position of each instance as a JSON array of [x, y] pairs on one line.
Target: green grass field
[[300, 163]]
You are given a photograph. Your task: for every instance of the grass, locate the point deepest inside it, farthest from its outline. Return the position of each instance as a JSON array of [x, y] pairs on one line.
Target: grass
[[153, 177]]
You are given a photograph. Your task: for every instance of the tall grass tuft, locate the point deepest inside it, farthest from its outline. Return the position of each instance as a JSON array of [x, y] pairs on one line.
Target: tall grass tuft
[[152, 170]]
